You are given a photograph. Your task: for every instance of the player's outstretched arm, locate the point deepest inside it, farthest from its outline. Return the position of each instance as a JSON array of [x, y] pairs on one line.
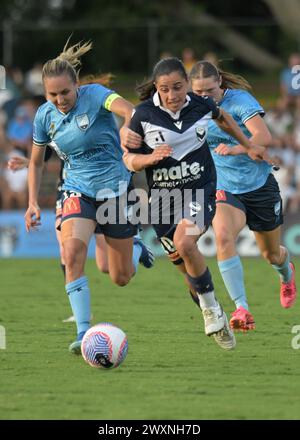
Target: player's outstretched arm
[[228, 124], [225, 150], [124, 109], [138, 162]]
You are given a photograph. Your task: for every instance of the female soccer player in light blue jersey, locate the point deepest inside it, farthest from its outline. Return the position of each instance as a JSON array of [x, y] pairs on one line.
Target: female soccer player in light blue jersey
[[78, 123], [247, 192]]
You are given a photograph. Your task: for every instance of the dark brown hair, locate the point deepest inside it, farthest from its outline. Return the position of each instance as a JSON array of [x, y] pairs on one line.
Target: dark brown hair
[[165, 66]]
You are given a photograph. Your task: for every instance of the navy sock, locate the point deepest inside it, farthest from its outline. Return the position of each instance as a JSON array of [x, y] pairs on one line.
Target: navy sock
[[205, 289]]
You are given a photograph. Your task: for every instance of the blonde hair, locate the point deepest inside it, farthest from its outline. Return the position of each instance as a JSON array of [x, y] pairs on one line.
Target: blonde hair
[[68, 61], [104, 79], [205, 69]]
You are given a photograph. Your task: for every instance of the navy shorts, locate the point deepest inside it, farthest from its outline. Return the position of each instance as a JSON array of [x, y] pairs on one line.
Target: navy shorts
[[113, 223], [199, 207], [262, 207]]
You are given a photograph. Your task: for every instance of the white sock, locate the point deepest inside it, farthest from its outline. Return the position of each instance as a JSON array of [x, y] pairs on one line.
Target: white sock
[[207, 300]]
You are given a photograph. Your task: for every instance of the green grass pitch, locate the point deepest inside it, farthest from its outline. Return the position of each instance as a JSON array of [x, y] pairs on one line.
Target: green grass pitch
[[172, 371]]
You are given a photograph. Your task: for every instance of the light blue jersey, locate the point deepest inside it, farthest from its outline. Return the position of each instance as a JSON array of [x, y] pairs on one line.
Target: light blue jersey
[[237, 174], [87, 139]]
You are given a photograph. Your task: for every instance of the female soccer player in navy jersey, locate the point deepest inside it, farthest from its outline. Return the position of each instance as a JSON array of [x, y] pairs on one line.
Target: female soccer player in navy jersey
[[247, 192], [77, 122], [177, 160]]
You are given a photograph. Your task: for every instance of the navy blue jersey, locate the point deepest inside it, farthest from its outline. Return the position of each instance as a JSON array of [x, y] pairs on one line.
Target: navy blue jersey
[[191, 164]]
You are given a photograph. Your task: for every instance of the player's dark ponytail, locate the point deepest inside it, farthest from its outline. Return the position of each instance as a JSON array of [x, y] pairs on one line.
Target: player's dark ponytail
[[145, 90]]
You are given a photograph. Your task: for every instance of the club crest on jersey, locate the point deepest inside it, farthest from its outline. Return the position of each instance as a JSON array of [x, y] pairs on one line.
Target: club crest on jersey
[[201, 133], [83, 122]]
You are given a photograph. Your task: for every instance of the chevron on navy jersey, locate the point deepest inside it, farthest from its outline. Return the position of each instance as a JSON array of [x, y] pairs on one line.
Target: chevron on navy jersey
[[185, 132]]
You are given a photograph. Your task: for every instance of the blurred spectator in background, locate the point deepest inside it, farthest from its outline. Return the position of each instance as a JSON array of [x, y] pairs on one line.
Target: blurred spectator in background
[[3, 154], [33, 80], [14, 188], [281, 124], [12, 93], [188, 58], [279, 121], [212, 58], [290, 84], [19, 129], [295, 199], [165, 54]]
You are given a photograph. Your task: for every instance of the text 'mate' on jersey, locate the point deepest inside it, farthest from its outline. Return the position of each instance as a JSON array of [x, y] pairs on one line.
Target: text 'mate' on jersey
[[190, 164], [237, 174], [87, 140]]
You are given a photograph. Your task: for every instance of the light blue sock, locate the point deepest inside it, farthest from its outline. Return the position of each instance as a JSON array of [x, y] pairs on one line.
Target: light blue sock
[[79, 297], [136, 254], [285, 271], [233, 277]]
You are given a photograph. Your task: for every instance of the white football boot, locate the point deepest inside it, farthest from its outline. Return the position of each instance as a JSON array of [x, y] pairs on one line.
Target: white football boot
[[225, 338], [216, 324]]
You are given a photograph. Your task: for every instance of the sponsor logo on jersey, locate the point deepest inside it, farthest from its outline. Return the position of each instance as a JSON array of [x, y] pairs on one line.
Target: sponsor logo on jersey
[[177, 172], [83, 122]]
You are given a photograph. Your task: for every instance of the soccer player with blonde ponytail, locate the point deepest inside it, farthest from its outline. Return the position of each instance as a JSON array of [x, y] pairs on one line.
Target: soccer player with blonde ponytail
[[77, 122]]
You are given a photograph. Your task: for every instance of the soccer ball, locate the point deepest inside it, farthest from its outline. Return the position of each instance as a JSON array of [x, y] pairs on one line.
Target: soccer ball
[[104, 346]]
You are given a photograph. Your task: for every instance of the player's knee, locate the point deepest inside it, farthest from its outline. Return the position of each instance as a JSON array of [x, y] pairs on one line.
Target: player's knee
[[271, 257], [223, 239], [184, 247], [121, 278], [72, 256]]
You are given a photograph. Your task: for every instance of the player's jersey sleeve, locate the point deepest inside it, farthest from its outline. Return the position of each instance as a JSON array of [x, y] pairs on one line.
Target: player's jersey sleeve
[[102, 95], [215, 110], [206, 105], [135, 123], [248, 107], [40, 135], [136, 126]]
